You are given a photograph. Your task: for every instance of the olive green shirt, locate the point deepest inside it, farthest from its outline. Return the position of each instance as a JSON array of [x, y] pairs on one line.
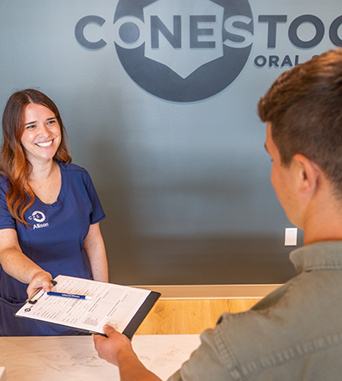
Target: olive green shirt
[[294, 333]]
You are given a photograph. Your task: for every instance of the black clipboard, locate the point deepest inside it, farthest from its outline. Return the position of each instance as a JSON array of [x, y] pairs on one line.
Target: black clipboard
[[140, 315]]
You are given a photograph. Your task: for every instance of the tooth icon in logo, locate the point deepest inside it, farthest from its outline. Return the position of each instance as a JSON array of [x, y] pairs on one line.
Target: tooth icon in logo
[[38, 216], [191, 36]]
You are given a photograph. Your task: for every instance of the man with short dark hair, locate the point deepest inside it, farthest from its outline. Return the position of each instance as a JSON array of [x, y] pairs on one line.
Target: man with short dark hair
[[294, 333]]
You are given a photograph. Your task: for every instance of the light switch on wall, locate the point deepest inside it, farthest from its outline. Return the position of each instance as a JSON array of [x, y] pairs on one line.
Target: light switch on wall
[[291, 236], [2, 374]]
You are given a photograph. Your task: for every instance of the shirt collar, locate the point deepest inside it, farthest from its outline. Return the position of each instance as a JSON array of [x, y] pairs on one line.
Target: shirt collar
[[318, 256]]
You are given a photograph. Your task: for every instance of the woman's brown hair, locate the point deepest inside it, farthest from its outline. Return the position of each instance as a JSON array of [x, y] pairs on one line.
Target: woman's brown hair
[[14, 163]]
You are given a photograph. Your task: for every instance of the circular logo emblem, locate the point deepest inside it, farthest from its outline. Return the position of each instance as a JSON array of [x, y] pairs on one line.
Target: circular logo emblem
[[183, 50], [38, 216]]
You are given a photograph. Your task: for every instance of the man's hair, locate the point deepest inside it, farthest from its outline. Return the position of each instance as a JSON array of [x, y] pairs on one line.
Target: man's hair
[[304, 107]]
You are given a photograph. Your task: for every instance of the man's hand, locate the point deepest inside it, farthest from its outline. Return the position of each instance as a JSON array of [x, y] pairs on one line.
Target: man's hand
[[109, 347], [41, 279], [117, 349]]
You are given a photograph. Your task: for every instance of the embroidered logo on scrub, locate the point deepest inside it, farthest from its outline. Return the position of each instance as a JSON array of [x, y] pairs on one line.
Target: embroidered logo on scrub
[[38, 217]]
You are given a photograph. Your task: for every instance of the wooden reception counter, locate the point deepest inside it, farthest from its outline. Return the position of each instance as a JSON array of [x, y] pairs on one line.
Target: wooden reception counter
[[70, 358]]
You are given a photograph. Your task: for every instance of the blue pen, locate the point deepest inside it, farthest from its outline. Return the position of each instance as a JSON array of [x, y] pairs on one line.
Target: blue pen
[[65, 295]]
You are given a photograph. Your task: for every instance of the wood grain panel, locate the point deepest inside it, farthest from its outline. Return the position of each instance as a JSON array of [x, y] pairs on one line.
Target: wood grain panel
[[189, 316]]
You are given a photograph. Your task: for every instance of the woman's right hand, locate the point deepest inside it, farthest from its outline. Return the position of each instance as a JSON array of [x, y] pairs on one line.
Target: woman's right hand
[[41, 279]]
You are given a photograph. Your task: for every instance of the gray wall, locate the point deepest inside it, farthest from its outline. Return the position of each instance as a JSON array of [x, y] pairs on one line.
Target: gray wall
[[169, 133]]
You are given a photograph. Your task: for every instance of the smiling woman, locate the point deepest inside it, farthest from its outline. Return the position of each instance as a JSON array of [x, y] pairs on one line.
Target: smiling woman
[[42, 134], [40, 140], [49, 211]]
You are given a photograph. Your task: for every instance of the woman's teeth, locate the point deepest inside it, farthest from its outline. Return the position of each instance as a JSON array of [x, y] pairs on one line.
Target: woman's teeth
[[46, 144]]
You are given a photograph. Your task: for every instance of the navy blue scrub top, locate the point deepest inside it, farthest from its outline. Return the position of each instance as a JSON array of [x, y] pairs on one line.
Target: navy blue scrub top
[[54, 241]]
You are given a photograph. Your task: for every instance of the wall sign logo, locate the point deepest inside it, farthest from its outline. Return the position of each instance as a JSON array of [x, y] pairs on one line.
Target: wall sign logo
[[179, 50], [183, 50], [189, 50]]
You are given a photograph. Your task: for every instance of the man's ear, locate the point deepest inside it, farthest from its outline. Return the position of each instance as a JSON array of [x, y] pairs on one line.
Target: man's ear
[[307, 173]]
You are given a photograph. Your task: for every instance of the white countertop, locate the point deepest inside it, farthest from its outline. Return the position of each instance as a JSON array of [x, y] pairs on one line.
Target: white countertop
[[70, 358]]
